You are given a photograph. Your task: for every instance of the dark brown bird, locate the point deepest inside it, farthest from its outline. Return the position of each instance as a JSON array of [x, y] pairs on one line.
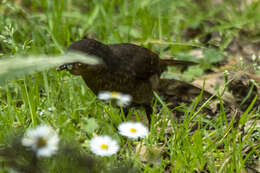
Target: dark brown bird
[[126, 68]]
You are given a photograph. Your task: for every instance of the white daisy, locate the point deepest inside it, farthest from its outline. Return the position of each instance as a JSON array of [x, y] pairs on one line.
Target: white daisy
[[42, 139], [122, 99], [103, 146], [133, 130]]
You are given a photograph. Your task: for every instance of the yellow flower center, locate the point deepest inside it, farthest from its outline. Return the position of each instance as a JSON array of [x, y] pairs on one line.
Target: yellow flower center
[[104, 146], [133, 130], [114, 94], [41, 142]]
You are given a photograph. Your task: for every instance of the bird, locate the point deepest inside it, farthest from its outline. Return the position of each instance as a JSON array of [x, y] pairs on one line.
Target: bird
[[126, 68]]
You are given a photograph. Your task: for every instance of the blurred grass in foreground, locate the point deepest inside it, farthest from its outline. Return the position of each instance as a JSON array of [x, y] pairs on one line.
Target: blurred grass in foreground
[[64, 102]]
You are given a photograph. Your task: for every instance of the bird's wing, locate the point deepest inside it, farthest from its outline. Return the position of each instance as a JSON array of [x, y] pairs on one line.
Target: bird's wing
[[136, 60]]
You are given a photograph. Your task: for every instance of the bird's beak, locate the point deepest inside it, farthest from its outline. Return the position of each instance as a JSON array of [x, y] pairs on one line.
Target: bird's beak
[[67, 66], [62, 67]]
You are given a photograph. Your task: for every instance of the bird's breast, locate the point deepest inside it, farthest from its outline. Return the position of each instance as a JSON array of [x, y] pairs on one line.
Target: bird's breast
[[140, 90]]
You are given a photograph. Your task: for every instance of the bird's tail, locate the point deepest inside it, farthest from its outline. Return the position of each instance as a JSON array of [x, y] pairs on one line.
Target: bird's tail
[[172, 62]]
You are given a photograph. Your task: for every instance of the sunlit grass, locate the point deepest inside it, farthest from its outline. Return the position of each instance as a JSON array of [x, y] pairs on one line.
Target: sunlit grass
[[65, 103]]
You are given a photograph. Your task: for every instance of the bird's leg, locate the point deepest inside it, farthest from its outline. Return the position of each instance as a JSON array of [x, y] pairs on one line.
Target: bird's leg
[[125, 112], [149, 112]]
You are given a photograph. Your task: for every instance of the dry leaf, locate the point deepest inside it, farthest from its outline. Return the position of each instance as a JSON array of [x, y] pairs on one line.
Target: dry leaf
[[149, 154]]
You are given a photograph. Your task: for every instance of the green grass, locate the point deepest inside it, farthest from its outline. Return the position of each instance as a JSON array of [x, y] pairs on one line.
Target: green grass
[[49, 26]]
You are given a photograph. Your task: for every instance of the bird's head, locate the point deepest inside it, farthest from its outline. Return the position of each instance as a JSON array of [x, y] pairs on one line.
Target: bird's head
[[89, 47], [75, 68]]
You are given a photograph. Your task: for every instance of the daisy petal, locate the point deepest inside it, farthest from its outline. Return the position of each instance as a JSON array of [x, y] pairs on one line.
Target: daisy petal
[[42, 139], [103, 146], [133, 130]]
